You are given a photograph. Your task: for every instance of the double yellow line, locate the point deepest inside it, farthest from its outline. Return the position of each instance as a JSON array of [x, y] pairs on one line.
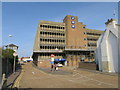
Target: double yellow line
[[17, 81]]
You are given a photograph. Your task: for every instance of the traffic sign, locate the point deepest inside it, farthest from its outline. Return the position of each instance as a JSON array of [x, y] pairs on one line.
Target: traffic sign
[[14, 54]]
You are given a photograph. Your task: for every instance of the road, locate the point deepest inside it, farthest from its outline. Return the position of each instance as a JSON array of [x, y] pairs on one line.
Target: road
[[34, 78]]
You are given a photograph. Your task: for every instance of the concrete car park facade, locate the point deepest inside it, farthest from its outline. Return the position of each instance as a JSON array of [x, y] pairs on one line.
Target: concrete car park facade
[[69, 40]]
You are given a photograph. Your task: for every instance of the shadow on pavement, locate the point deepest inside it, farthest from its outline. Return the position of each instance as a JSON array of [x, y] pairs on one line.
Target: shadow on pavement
[[11, 79]]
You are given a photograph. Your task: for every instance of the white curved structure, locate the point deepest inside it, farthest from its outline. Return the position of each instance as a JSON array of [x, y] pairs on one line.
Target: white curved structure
[[107, 48]]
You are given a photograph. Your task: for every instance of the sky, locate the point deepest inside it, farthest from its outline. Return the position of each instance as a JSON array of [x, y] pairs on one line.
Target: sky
[[20, 19]]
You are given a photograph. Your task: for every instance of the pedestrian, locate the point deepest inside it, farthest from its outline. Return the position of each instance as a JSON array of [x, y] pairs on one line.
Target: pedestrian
[[55, 67], [52, 64]]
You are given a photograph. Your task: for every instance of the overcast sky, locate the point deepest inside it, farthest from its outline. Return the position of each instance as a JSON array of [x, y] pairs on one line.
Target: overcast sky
[[21, 19]]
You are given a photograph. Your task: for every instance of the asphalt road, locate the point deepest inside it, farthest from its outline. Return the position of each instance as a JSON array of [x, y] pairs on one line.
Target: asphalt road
[[34, 78]]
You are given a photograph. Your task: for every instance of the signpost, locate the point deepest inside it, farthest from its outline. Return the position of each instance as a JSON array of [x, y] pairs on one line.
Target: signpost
[[14, 54]]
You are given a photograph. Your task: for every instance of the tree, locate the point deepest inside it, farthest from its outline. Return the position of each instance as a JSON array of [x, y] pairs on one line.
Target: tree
[[8, 60], [7, 53]]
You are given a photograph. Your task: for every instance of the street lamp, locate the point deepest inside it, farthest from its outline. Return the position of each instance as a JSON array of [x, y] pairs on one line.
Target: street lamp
[[8, 54], [10, 35], [8, 40], [14, 54]]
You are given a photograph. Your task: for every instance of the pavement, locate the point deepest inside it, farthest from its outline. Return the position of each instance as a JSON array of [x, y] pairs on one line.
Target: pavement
[[60, 71], [33, 77], [11, 79], [69, 68]]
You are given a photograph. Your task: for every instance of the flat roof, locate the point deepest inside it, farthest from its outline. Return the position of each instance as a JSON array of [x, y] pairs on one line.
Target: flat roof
[[51, 23]]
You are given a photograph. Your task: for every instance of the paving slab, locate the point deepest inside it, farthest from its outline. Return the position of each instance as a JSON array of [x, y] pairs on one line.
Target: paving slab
[[11, 79]]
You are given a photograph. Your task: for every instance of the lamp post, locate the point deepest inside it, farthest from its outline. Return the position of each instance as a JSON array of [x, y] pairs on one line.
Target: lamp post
[[8, 55], [14, 54], [8, 40]]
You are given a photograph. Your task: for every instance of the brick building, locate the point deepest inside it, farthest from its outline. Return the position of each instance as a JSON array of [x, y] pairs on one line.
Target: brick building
[[70, 40]]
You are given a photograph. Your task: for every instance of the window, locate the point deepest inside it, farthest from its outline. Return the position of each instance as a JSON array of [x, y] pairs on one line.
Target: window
[[41, 33], [85, 39], [85, 45], [72, 18], [73, 26], [72, 22], [41, 39], [84, 32]]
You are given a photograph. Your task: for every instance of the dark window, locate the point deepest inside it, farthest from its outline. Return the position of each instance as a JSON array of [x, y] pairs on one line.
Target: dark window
[[55, 27], [85, 45], [45, 26], [41, 40], [85, 39], [52, 26], [40, 25], [73, 26], [41, 47], [72, 22], [84, 32], [41, 33], [72, 18]]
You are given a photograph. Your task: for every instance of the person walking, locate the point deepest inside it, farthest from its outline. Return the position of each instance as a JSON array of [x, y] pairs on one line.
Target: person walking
[[52, 63], [55, 66], [52, 66]]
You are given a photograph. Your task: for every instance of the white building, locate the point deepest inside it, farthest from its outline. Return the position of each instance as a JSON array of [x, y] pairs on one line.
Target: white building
[[12, 46], [26, 59], [107, 48]]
